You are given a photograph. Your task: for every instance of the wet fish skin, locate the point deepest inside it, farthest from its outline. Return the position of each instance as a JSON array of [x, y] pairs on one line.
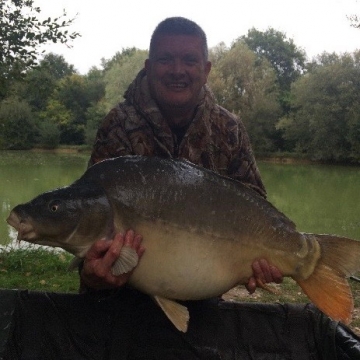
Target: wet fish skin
[[201, 231]]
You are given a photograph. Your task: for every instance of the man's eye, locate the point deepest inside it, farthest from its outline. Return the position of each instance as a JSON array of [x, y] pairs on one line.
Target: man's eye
[[190, 61], [163, 60]]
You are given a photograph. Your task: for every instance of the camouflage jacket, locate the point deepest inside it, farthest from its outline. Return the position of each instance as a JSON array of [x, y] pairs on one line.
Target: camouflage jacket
[[215, 139]]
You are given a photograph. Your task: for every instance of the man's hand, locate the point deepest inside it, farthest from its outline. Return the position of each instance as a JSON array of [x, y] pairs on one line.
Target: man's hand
[[263, 273], [96, 272]]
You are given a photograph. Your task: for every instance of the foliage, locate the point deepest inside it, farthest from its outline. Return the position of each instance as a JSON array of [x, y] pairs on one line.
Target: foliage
[[49, 135], [95, 113], [246, 86], [36, 88], [60, 101], [71, 93], [286, 58], [121, 73], [354, 21], [56, 65], [18, 125], [325, 121], [21, 34], [95, 85], [39, 83], [55, 113], [107, 64], [53, 119], [310, 109]]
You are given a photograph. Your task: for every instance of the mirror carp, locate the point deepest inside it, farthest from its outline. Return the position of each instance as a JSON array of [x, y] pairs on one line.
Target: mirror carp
[[201, 231]]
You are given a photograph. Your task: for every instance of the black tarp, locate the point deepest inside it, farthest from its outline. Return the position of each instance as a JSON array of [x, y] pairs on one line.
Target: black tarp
[[128, 325]]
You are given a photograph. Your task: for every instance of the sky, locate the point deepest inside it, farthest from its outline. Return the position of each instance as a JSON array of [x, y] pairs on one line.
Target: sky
[[108, 26]]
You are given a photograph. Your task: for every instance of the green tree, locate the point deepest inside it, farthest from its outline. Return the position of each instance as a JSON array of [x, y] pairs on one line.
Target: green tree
[[354, 21], [119, 76], [40, 82], [107, 64], [72, 106], [247, 86], [286, 58], [53, 119], [21, 34], [18, 125], [71, 93], [49, 135], [325, 121], [353, 136], [94, 115], [96, 111], [95, 84], [56, 65]]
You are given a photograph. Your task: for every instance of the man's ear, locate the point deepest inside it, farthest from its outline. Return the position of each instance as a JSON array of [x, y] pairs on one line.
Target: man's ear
[[147, 65], [207, 68]]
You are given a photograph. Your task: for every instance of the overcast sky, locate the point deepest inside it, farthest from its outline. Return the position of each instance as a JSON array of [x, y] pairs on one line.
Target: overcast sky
[[107, 26]]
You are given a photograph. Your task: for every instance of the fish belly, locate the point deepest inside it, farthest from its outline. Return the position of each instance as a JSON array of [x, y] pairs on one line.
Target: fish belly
[[189, 265]]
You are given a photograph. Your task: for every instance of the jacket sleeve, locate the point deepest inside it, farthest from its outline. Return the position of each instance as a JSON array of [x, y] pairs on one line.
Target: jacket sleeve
[[111, 139], [243, 165]]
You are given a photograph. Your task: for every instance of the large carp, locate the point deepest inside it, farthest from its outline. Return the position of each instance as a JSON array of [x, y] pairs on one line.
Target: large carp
[[201, 232]]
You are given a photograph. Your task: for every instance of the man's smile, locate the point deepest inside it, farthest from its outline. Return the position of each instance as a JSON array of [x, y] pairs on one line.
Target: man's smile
[[177, 85]]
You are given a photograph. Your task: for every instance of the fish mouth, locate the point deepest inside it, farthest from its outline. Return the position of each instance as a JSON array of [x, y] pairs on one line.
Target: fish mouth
[[25, 229]]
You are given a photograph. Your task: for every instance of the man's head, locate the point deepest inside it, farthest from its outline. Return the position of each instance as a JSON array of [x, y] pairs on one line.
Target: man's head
[[179, 26], [178, 66]]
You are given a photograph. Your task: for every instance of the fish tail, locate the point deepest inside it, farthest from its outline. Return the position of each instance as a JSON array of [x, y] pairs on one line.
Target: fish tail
[[327, 286]]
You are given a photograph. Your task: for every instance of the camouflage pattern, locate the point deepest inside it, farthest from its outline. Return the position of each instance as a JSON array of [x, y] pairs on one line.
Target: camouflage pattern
[[215, 139]]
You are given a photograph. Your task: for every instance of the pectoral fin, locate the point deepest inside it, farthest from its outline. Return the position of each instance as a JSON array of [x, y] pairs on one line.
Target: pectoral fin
[[176, 313], [126, 261]]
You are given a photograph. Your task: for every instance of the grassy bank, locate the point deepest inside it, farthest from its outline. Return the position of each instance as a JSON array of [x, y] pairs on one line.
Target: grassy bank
[[65, 149], [37, 269], [44, 270]]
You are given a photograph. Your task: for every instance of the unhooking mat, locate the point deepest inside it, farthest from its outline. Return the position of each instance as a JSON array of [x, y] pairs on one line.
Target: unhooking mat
[[126, 324]]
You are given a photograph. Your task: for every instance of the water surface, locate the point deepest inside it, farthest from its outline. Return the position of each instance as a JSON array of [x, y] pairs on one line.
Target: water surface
[[318, 198], [24, 174]]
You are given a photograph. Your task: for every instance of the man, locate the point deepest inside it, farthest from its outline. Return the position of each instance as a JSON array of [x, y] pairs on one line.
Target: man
[[170, 112]]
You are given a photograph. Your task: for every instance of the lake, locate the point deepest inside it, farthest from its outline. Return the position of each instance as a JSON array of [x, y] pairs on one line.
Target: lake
[[318, 198]]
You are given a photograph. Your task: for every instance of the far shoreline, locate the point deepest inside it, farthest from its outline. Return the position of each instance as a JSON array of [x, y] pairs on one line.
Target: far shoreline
[[275, 158]]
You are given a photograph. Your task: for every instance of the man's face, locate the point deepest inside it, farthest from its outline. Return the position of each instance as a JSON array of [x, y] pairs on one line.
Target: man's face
[[177, 71]]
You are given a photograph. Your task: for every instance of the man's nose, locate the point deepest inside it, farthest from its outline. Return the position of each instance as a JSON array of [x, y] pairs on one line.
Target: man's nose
[[178, 67]]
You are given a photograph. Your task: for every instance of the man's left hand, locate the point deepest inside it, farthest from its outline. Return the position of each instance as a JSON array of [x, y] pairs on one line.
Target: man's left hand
[[263, 273]]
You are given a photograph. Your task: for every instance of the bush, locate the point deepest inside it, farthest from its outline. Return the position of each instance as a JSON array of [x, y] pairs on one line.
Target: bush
[[49, 135], [18, 125]]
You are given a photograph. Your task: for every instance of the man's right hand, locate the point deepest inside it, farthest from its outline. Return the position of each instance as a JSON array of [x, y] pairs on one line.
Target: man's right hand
[[96, 272]]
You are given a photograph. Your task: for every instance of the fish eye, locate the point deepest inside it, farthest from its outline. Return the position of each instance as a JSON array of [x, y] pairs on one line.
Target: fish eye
[[54, 206]]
